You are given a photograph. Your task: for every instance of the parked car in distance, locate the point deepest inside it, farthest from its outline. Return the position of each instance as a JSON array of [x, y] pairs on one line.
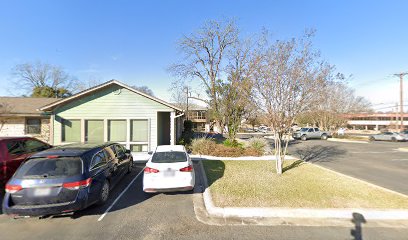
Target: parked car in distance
[[266, 130], [311, 133], [13, 151], [405, 134], [66, 179], [388, 136], [169, 169]]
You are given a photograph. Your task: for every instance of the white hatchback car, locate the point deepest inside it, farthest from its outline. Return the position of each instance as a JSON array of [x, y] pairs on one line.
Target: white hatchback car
[[169, 169]]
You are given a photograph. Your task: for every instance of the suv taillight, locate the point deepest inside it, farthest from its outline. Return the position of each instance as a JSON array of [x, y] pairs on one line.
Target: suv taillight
[[13, 188], [150, 170], [189, 168], [77, 185]]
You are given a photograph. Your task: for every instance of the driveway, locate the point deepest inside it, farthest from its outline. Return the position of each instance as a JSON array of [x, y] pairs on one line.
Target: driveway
[[136, 215], [377, 162]]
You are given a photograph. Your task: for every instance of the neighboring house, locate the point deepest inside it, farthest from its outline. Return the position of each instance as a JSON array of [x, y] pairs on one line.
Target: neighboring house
[[199, 116], [19, 117], [114, 112], [375, 121]]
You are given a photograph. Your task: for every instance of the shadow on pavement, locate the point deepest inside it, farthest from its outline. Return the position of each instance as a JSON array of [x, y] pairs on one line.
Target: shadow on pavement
[[358, 220], [319, 153]]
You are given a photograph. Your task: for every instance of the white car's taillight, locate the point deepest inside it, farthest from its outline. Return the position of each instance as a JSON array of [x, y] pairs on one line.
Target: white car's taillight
[[189, 168], [150, 170]]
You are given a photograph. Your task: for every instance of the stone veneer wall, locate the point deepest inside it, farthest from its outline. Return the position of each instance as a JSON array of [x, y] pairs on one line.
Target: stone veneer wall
[[15, 127]]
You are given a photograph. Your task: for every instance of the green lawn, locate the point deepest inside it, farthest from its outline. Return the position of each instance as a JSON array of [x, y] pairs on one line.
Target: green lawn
[[255, 184]]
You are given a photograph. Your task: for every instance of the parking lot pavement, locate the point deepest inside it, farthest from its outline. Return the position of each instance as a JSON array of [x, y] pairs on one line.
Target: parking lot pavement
[[377, 162], [137, 215]]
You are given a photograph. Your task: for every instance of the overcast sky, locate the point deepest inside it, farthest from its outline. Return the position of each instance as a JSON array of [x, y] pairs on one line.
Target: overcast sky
[[135, 41]]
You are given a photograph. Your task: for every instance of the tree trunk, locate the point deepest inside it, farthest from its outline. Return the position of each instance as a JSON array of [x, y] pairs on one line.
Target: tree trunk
[[278, 153]]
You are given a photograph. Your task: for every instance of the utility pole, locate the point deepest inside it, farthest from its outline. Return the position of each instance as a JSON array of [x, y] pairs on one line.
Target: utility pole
[[401, 76], [396, 116]]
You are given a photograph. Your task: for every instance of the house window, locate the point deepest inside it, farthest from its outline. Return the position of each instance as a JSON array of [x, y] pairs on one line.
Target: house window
[[71, 130], [139, 147], [33, 126], [94, 131], [139, 130], [117, 130]]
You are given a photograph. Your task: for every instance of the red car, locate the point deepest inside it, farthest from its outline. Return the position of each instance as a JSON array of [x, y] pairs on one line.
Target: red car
[[13, 151]]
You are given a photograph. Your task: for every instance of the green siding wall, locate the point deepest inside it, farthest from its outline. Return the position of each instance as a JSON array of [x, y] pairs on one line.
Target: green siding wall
[[112, 102]]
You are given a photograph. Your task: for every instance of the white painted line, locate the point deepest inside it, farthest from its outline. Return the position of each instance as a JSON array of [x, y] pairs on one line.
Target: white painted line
[[114, 202], [375, 152]]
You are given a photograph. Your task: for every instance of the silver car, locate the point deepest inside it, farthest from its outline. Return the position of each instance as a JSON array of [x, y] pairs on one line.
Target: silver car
[[388, 136]]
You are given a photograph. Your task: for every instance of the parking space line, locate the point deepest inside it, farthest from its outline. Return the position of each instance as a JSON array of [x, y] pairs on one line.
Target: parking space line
[[117, 198]]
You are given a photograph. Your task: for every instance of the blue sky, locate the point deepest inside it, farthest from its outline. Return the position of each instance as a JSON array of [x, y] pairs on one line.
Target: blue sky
[[135, 41]]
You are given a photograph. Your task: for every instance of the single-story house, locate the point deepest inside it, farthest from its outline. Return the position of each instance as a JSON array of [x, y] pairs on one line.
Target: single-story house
[[115, 112], [19, 117]]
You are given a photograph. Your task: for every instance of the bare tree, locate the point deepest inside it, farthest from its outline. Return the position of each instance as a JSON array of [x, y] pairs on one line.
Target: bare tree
[[336, 100], [179, 94], [289, 77], [235, 93], [90, 83], [144, 89], [41, 78], [204, 59]]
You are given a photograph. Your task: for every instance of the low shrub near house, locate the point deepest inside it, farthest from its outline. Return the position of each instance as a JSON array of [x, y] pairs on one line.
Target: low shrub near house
[[233, 143], [209, 147], [259, 144], [203, 146], [187, 133]]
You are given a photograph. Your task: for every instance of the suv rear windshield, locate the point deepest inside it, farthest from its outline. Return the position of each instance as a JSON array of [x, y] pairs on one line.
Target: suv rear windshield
[[50, 168], [169, 157]]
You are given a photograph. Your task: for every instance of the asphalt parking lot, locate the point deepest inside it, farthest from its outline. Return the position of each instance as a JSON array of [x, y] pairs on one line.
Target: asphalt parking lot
[[377, 162], [132, 214]]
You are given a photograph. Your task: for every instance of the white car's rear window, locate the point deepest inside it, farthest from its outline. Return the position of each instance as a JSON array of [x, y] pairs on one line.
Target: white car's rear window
[[169, 157]]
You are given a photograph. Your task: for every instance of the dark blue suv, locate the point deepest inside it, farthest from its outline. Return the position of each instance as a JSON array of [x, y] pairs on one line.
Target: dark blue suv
[[66, 179]]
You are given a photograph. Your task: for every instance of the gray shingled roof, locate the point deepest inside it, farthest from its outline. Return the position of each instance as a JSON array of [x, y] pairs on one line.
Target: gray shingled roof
[[23, 106]]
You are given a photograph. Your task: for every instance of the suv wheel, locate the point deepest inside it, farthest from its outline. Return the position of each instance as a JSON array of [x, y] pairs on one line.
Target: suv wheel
[[303, 138], [371, 139], [104, 194], [324, 137]]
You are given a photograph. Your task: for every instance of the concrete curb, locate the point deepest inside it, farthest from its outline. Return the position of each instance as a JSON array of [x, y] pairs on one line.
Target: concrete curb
[[345, 140], [300, 213], [246, 158]]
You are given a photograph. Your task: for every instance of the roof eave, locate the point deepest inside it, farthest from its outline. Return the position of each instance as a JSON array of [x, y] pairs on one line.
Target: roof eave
[[49, 107]]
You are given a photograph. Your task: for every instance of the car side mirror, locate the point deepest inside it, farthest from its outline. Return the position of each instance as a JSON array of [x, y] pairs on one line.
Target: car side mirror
[[189, 151], [150, 153], [128, 151]]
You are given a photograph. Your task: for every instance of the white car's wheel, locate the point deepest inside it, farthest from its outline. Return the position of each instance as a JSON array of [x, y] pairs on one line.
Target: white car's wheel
[[324, 137], [303, 138]]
